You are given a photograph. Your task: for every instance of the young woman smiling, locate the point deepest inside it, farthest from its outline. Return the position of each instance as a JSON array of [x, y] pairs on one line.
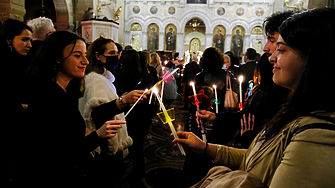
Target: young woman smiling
[[296, 148]]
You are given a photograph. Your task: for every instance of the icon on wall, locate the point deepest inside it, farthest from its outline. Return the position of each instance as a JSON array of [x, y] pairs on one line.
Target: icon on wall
[[237, 41], [153, 10], [259, 12], [170, 37], [153, 37], [220, 11], [171, 10], [219, 33], [240, 11], [136, 9]]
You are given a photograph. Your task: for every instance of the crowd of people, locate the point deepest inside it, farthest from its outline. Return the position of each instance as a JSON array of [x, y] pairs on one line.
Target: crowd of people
[[65, 105]]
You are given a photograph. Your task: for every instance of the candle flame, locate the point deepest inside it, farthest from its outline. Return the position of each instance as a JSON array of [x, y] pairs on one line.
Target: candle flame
[[192, 83], [155, 90], [240, 79], [214, 86]]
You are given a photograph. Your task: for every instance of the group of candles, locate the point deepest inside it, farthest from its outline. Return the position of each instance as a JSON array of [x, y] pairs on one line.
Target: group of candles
[[240, 79], [162, 107]]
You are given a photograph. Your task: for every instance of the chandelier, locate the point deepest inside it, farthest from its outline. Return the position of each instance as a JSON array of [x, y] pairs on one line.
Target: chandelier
[[194, 24]]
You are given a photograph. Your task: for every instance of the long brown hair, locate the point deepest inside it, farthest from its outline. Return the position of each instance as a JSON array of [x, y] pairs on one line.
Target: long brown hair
[[99, 45], [312, 91]]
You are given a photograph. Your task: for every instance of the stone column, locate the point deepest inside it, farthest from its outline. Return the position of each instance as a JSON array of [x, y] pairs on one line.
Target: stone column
[[180, 44], [126, 38], [208, 40], [161, 41], [246, 44], [227, 43], [144, 40]]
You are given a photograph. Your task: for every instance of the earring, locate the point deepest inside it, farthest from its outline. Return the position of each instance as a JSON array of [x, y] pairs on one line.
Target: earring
[[56, 67], [10, 47]]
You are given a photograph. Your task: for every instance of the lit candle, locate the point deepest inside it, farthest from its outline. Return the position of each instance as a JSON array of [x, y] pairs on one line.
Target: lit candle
[[193, 87], [241, 80], [216, 99], [162, 92], [173, 130], [134, 104]]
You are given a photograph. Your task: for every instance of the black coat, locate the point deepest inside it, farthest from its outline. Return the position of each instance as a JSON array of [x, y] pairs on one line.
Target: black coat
[[190, 71], [56, 149]]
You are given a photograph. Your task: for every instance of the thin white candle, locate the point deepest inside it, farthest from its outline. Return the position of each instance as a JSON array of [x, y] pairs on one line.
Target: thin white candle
[[162, 92], [150, 97], [193, 87], [216, 99], [134, 104], [169, 121], [174, 71], [241, 80]]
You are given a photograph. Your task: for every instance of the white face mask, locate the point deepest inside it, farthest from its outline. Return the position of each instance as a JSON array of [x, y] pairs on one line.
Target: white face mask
[[224, 67]]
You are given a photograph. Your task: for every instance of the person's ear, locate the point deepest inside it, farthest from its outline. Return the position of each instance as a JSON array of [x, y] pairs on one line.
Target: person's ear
[[97, 56]]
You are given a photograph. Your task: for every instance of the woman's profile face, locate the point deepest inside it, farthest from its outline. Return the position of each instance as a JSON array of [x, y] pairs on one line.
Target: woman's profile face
[[22, 43], [287, 65], [75, 62], [110, 50]]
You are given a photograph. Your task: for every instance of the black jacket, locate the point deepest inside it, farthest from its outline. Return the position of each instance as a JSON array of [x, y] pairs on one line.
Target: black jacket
[[190, 71], [56, 147]]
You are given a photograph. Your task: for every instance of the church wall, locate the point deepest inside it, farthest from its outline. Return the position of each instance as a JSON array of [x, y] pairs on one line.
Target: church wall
[[253, 15]]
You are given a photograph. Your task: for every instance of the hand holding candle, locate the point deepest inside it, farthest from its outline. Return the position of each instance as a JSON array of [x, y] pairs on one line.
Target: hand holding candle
[[135, 104], [168, 119]]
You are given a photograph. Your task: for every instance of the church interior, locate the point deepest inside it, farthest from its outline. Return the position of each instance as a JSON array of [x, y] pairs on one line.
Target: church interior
[[183, 26], [166, 27]]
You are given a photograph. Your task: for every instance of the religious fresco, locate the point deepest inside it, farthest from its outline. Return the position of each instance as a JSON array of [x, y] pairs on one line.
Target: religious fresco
[[259, 12], [195, 45], [237, 40], [153, 37], [153, 10], [136, 9], [136, 27], [219, 34], [220, 11], [170, 37], [171, 10], [258, 30], [240, 11]]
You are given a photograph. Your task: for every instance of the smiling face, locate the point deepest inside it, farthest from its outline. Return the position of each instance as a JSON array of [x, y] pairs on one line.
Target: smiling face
[[22, 43], [287, 65], [75, 62]]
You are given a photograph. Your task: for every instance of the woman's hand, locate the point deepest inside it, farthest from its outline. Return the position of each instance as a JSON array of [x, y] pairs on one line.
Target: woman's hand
[[109, 129], [131, 97], [206, 116], [247, 125], [191, 141]]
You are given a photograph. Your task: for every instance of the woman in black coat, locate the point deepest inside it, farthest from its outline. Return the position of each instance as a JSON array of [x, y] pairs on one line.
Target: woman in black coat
[[58, 143], [15, 42]]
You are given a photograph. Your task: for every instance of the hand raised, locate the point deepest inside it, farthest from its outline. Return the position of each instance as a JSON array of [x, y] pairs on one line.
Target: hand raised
[[247, 125]]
